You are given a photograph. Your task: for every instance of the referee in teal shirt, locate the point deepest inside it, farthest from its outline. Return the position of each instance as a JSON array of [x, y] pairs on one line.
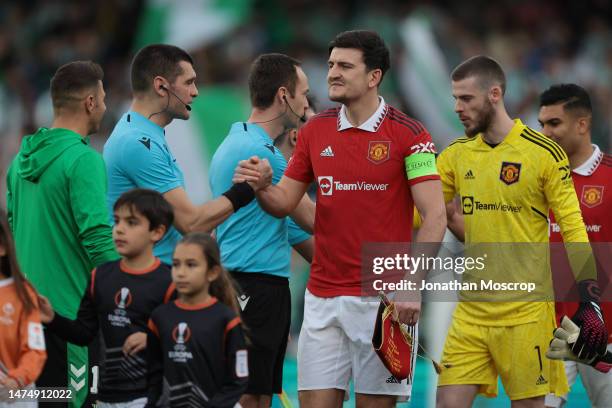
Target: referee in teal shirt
[[137, 155], [255, 246]]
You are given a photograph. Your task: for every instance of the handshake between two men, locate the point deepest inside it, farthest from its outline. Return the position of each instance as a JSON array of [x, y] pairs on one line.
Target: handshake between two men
[[582, 339]]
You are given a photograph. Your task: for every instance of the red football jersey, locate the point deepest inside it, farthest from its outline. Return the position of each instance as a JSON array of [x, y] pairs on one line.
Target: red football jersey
[[593, 184], [363, 190]]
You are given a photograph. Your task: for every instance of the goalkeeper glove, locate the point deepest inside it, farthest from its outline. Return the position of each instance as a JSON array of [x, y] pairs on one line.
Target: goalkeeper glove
[[592, 338], [564, 337]]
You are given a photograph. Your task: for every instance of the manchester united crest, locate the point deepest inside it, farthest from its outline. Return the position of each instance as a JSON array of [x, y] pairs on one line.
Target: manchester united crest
[[510, 172], [592, 196], [378, 152]]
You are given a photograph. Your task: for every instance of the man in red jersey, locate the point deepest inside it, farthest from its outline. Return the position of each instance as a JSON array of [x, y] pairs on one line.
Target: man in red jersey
[[372, 164], [565, 116]]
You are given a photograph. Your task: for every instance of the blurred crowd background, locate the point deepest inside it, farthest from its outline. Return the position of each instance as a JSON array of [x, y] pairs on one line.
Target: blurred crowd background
[[538, 42]]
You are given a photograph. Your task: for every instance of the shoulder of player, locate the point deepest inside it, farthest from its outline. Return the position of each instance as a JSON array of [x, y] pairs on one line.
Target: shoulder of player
[[132, 137], [327, 114], [326, 117], [264, 150], [139, 147], [242, 143], [108, 270], [162, 312], [163, 275], [606, 162], [108, 266], [462, 142], [400, 119], [224, 312], [164, 268], [32, 293], [541, 145], [83, 157]]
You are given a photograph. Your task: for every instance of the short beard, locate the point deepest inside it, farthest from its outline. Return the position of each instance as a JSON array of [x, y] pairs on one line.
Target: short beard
[[486, 117], [179, 115]]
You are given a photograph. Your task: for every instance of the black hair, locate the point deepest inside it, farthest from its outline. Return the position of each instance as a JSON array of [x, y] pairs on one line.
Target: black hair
[[157, 60], [268, 73], [572, 96], [151, 204], [375, 52]]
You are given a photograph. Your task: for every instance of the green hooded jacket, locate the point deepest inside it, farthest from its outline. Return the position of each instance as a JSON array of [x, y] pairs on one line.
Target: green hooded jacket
[[57, 210]]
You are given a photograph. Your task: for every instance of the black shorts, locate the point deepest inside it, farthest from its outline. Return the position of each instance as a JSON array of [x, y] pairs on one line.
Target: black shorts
[[265, 301]]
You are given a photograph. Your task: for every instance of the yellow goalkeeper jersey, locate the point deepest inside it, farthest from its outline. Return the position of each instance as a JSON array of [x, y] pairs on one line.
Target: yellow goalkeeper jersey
[[506, 192]]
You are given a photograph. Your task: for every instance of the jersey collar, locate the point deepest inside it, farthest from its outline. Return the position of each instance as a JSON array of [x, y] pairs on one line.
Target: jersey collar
[[515, 132], [370, 125], [254, 127], [132, 271], [199, 306], [588, 167], [6, 282]]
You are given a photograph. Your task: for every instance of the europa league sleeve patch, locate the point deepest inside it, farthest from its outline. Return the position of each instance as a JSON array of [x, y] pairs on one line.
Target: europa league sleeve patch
[[242, 364], [36, 339], [392, 342], [420, 164]]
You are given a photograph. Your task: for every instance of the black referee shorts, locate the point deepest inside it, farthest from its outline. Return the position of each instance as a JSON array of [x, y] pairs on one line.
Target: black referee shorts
[[265, 301]]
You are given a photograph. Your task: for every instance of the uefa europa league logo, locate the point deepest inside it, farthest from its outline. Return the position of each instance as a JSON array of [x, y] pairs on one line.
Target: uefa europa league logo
[[123, 296], [182, 327]]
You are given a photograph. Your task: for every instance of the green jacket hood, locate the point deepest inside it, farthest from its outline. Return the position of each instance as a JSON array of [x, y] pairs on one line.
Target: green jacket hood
[[39, 150]]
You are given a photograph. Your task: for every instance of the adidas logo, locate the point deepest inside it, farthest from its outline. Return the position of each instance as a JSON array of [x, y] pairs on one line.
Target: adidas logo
[[541, 380], [469, 175], [393, 380], [327, 152]]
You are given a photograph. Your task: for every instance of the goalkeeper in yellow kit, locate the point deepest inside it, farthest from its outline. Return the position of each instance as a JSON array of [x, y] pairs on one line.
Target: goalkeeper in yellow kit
[[507, 177]]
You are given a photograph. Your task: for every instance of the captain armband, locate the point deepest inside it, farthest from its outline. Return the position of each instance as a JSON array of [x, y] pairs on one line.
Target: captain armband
[[420, 165]]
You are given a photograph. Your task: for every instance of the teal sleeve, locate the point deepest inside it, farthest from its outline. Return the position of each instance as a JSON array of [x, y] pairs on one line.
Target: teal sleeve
[[153, 168], [295, 233], [87, 185]]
